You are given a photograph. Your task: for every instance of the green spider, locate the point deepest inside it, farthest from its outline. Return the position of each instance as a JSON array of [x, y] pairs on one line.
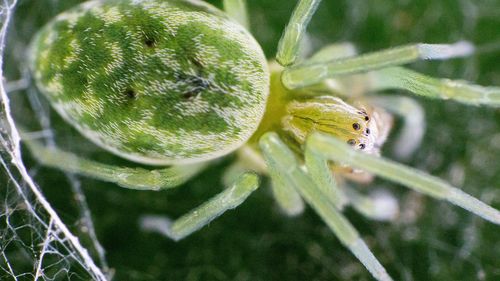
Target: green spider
[[178, 82]]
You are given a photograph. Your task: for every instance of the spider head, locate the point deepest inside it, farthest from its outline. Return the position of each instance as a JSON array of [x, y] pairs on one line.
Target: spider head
[[364, 127]]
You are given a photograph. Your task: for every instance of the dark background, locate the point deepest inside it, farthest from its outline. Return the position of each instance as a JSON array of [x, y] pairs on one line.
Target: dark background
[[431, 241]]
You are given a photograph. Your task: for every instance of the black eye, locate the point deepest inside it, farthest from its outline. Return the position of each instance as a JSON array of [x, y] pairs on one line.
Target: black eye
[[367, 118], [351, 142], [367, 131], [356, 126], [362, 146]]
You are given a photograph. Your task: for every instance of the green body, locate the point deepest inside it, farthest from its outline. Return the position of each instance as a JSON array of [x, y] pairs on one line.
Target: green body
[[157, 82]]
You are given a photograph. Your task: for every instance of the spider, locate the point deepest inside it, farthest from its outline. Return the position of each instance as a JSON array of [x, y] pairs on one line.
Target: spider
[[180, 83]]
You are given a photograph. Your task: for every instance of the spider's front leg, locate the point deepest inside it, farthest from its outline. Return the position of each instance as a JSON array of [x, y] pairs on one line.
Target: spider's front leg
[[378, 208], [310, 73], [321, 174], [413, 115], [336, 150], [423, 85], [337, 61], [382, 65], [281, 158]]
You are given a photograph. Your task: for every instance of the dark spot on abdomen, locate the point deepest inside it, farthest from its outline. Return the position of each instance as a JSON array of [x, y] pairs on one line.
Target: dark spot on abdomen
[[130, 94]]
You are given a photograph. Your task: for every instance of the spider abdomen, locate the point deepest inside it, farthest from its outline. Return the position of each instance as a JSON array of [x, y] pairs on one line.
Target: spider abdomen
[[158, 82]]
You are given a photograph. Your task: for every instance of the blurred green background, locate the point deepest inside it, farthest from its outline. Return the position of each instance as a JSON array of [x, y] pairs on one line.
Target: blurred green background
[[431, 241]]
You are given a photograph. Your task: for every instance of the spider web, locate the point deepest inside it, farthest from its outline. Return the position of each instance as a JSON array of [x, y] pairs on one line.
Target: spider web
[[35, 244]]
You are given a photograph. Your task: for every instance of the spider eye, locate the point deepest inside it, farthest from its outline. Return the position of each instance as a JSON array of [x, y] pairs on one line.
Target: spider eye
[[367, 131], [367, 118], [356, 126], [351, 142], [362, 146]]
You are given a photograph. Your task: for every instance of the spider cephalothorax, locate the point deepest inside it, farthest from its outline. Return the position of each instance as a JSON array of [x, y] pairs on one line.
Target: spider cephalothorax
[[180, 82], [333, 116]]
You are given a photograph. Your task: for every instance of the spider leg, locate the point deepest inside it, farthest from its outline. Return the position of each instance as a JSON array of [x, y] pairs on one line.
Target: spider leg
[[228, 199], [338, 151], [381, 206], [345, 85], [403, 78], [290, 41], [333, 51], [413, 115], [285, 194], [249, 159], [279, 156], [134, 178], [308, 74], [237, 9], [419, 84], [321, 174]]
